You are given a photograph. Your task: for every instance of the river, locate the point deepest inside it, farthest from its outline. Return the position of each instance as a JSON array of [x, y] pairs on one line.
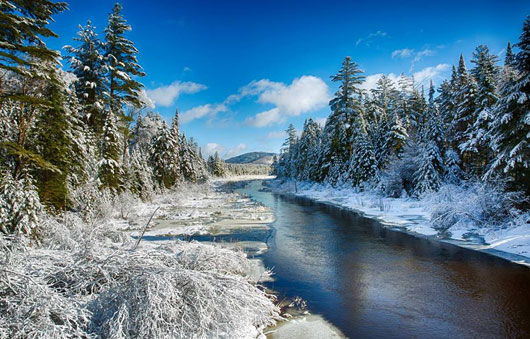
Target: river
[[374, 282]]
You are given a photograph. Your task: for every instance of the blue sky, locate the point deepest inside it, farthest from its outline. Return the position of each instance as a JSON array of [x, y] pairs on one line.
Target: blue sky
[[240, 71]]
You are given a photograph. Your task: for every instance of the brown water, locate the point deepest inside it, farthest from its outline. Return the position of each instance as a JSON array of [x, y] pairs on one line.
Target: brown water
[[373, 282]]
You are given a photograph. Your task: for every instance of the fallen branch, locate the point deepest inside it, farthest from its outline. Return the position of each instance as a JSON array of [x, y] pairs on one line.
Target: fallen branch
[[145, 228]]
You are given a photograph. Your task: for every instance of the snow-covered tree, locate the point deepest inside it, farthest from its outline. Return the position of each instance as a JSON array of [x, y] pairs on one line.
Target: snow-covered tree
[[465, 94], [20, 206], [346, 105], [510, 125], [486, 75], [88, 65], [120, 57], [22, 47], [165, 157], [110, 169]]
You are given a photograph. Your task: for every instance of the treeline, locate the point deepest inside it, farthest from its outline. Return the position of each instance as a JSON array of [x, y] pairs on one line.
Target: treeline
[[395, 138], [62, 130], [219, 168]]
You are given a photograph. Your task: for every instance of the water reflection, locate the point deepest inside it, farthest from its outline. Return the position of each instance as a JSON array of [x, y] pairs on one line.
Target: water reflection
[[373, 282]]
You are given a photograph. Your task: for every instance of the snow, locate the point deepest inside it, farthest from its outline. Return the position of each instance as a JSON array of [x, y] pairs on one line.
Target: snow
[[90, 278], [308, 327], [510, 241]]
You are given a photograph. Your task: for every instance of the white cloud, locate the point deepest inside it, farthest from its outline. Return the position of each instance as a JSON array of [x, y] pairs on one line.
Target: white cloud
[[304, 94], [423, 53], [371, 38], [210, 149], [209, 110], [403, 53], [165, 96], [428, 73], [235, 151], [266, 118]]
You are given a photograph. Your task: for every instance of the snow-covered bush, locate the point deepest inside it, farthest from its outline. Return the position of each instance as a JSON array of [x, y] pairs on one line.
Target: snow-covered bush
[[91, 202], [87, 280], [178, 291], [20, 205], [472, 205]]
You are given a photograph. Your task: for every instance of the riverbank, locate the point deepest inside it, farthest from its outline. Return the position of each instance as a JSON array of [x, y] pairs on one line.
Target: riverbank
[[414, 216], [102, 277]]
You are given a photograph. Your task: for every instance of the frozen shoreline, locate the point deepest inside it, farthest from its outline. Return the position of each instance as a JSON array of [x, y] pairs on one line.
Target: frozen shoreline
[[411, 216]]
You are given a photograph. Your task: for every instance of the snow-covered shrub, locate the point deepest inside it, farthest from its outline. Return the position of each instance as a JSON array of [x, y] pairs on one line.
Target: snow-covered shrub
[[183, 290], [391, 183], [20, 205], [472, 205], [91, 202]]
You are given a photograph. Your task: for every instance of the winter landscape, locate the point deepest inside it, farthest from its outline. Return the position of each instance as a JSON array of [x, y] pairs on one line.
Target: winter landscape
[[189, 170]]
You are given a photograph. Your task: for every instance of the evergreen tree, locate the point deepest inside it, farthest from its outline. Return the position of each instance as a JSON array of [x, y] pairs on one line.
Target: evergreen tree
[[485, 74], [22, 49], [510, 127], [122, 65], [88, 65], [363, 162], [165, 158], [120, 56], [110, 170], [345, 107], [381, 110], [465, 94], [54, 143]]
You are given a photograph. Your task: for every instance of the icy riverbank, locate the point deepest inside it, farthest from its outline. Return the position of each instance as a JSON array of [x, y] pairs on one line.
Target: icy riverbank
[[88, 279], [510, 241]]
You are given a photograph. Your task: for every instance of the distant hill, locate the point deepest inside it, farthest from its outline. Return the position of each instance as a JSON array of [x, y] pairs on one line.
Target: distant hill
[[260, 158]]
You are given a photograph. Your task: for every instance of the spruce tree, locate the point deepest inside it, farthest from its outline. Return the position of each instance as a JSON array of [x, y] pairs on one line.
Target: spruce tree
[[110, 170], [120, 57], [22, 48], [123, 67], [165, 158], [510, 127], [89, 67], [486, 75], [465, 94], [345, 107]]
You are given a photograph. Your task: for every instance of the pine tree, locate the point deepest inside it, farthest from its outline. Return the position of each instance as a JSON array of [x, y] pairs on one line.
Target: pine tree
[[187, 166], [485, 74], [307, 150], [428, 177], [165, 158], [89, 67], [381, 112], [122, 65], [465, 94], [120, 56], [20, 206], [510, 126], [345, 107], [22, 49], [110, 170], [53, 142], [363, 162], [27, 64]]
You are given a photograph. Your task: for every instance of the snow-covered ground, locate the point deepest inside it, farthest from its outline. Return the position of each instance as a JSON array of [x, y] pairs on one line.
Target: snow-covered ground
[[511, 242], [88, 279]]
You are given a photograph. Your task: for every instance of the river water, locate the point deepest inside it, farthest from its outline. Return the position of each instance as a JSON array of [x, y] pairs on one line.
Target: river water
[[373, 282]]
